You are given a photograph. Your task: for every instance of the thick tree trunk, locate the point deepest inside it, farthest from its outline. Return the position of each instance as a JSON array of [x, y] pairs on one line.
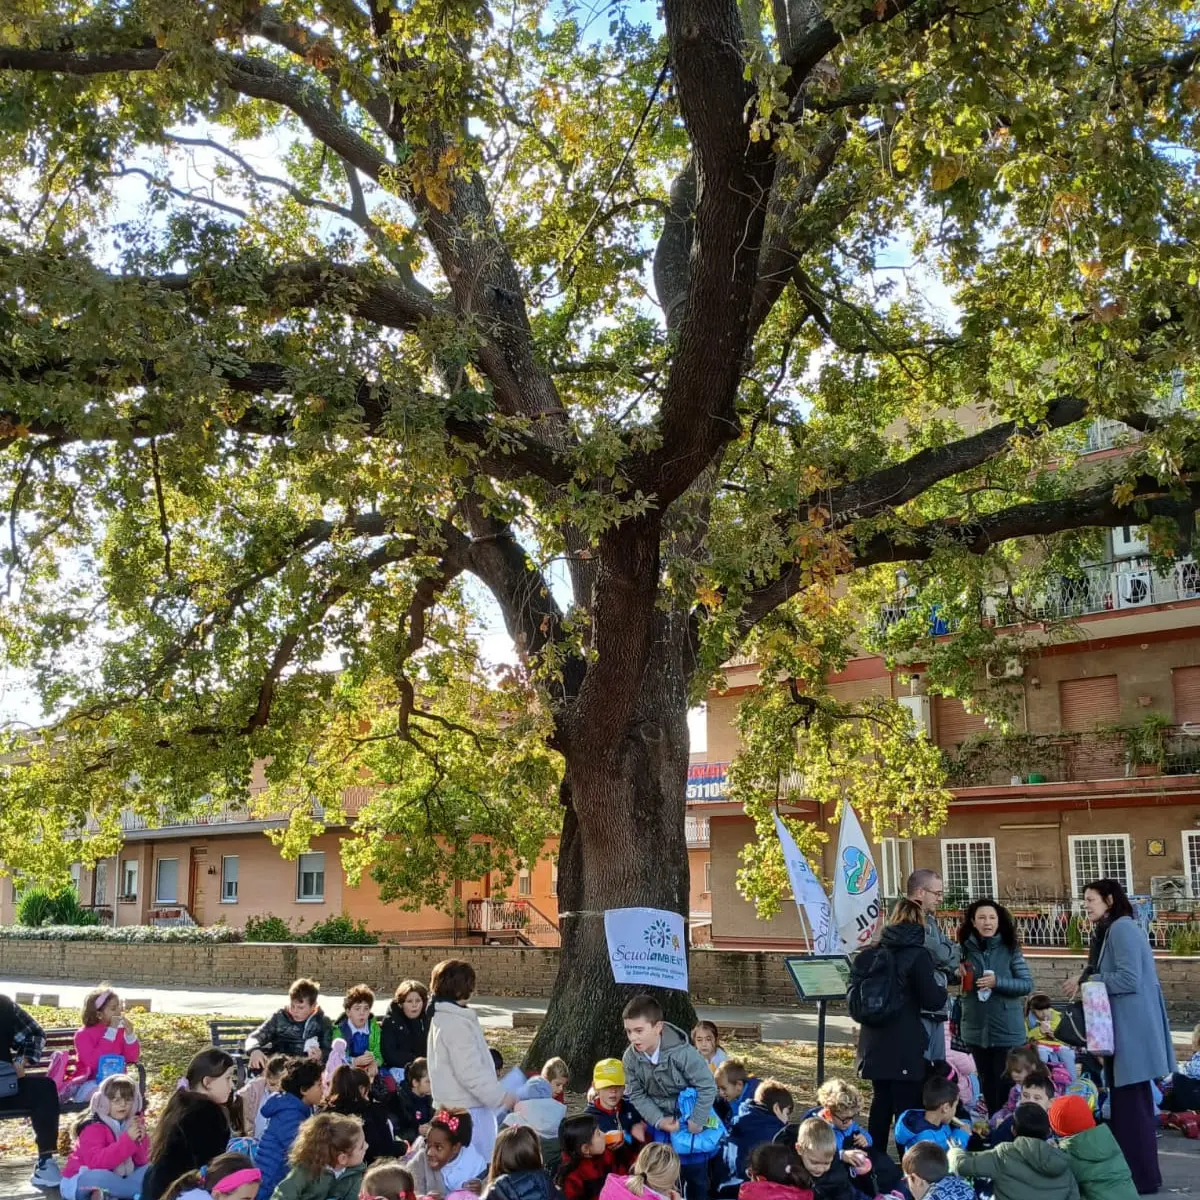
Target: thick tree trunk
[[624, 818]]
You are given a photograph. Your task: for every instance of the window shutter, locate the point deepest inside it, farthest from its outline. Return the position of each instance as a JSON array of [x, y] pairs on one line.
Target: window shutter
[[954, 723], [1185, 683], [1085, 704]]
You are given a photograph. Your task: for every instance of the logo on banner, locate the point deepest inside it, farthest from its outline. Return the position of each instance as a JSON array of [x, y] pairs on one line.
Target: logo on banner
[[646, 945], [858, 871], [659, 936]]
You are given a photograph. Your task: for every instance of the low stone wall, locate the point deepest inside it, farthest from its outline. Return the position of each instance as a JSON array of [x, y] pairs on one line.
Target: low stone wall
[[752, 979]]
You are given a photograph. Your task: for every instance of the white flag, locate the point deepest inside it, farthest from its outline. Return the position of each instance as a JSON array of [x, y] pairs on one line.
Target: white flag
[[809, 894], [856, 901]]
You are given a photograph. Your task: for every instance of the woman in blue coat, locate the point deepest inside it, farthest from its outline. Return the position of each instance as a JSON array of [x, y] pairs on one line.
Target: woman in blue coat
[[995, 981], [1120, 957]]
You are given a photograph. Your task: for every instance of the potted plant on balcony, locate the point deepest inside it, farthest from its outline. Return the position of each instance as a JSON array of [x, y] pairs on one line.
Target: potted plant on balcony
[[1146, 745]]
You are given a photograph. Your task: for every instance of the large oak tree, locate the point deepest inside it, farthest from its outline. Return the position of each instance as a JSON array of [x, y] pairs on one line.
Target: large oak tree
[[325, 320]]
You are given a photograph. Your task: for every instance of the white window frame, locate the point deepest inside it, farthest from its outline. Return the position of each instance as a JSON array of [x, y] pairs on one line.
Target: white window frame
[[895, 866], [524, 881], [554, 875], [77, 879], [708, 877], [230, 858], [159, 898], [129, 873], [972, 892], [1073, 841], [1191, 839], [301, 872]]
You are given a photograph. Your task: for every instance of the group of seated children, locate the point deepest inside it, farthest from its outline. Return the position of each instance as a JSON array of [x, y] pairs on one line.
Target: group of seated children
[[675, 1116]]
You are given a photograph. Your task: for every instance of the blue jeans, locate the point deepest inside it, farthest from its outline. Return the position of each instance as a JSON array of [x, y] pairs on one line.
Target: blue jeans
[[124, 1187], [694, 1181]]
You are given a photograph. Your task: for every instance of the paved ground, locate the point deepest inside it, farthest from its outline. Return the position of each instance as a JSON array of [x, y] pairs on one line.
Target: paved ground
[[1180, 1159]]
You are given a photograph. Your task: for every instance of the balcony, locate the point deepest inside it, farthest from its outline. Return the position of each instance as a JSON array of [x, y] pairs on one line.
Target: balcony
[[1107, 587], [1033, 758], [697, 832]]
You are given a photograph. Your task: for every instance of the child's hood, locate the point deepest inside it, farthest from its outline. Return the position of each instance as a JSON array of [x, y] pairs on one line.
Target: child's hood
[[673, 1037], [1093, 1145], [764, 1189], [951, 1187], [280, 1102], [1041, 1157], [913, 1122]]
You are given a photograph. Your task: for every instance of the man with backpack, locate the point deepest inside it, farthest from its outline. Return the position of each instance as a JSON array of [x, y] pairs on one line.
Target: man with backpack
[[891, 984], [925, 888]]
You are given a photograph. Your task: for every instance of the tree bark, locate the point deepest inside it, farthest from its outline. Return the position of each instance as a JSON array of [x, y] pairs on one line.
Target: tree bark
[[624, 818]]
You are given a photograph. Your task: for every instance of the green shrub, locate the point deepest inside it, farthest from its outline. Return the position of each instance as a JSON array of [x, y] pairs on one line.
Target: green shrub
[[341, 931], [1074, 934], [1185, 939], [205, 934], [40, 906], [268, 929]]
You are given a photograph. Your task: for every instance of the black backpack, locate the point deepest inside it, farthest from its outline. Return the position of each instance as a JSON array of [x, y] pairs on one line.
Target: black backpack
[[876, 992]]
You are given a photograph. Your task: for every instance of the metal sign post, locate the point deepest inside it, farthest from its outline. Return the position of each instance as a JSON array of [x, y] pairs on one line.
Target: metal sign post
[[819, 978]]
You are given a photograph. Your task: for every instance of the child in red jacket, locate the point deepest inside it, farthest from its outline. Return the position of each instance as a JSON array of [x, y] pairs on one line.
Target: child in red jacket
[[111, 1144]]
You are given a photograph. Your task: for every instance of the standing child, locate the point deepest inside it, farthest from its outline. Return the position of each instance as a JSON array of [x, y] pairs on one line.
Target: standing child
[[404, 1036], [444, 1160], [412, 1104], [655, 1176], [624, 1130], [706, 1037], [776, 1173], [927, 1173], [935, 1122], [587, 1159], [517, 1171], [194, 1127], [350, 1095], [301, 1090], [660, 1063], [105, 1045], [111, 1147], [299, 1029], [1096, 1160], [388, 1181], [227, 1177], [254, 1094], [1025, 1168], [326, 1160]]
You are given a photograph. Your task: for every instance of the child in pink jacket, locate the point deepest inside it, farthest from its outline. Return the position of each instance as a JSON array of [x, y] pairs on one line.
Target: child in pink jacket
[[104, 1046], [112, 1147]]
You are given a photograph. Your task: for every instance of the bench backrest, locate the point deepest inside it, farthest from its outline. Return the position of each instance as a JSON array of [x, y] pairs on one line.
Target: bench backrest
[[231, 1034]]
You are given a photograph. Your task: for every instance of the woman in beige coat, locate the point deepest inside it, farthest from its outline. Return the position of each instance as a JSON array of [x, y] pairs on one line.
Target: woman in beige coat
[[461, 1072]]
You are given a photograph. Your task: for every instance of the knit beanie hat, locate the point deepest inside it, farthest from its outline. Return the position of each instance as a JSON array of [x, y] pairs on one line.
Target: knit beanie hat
[[1069, 1115]]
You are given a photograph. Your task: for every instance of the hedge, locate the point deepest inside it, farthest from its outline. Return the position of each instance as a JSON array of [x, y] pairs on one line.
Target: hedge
[[207, 934]]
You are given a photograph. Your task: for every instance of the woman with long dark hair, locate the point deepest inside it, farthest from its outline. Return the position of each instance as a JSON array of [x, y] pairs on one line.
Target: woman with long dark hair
[[995, 980], [1120, 957]]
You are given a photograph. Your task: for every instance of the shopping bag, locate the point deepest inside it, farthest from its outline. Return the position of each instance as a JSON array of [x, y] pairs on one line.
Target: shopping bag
[[1097, 1017]]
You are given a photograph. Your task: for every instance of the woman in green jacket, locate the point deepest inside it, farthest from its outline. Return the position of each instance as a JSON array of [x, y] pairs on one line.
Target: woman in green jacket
[[995, 980]]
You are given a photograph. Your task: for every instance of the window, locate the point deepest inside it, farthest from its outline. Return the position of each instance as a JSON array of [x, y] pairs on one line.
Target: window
[[707, 876], [129, 879], [554, 876], [100, 883], [968, 869], [1191, 861], [229, 879], [1105, 856], [895, 866], [310, 877], [524, 882], [166, 887]]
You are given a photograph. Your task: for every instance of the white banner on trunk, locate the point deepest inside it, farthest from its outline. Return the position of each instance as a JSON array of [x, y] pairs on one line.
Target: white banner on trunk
[[856, 901], [810, 895], [647, 945]]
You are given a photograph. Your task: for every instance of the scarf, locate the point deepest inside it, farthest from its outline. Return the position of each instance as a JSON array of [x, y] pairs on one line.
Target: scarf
[[1096, 945], [118, 1127]]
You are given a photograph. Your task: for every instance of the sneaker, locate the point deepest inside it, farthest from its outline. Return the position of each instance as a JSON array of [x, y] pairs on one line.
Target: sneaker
[[46, 1174]]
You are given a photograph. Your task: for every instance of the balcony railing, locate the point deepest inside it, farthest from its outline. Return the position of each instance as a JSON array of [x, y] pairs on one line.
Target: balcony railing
[[1062, 924], [1074, 757], [1107, 587], [697, 831]]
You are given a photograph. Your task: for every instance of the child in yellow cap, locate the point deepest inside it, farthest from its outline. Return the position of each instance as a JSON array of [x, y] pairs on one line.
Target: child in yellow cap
[[624, 1130]]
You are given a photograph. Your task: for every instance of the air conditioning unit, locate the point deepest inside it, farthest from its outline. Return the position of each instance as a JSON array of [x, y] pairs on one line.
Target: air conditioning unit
[[1010, 668], [1133, 589], [918, 706]]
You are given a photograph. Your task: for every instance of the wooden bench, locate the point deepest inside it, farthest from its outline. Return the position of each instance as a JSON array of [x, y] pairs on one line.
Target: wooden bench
[[230, 1034], [48, 999], [64, 1039], [527, 1020]]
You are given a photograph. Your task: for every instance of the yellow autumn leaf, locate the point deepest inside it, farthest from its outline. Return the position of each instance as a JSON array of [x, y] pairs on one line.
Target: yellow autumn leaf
[[945, 172], [1092, 269], [1122, 493]]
